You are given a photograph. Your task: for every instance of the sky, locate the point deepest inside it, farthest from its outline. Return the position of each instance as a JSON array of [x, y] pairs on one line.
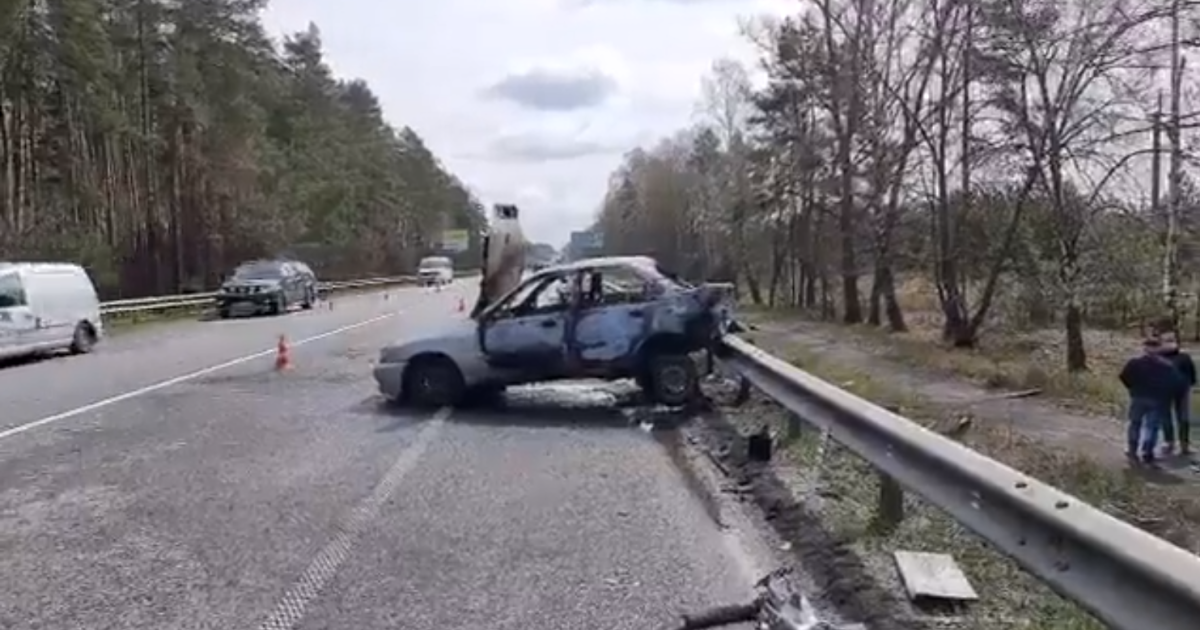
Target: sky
[[532, 102]]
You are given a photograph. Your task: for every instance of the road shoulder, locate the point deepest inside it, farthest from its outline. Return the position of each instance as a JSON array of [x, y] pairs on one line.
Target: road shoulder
[[1076, 451]]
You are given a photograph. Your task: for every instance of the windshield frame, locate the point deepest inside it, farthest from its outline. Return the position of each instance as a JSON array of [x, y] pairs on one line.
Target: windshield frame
[[435, 263], [259, 271]]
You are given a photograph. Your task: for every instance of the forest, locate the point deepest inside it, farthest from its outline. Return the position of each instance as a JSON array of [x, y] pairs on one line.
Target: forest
[[159, 143], [1002, 164]]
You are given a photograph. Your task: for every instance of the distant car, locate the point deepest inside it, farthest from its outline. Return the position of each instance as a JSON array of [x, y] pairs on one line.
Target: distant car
[[270, 286], [435, 271], [607, 318], [47, 307]]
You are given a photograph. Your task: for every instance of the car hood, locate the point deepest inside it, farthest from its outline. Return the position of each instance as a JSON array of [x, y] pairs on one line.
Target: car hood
[[451, 337]]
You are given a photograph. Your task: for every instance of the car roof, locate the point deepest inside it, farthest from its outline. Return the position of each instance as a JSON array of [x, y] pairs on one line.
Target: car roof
[[602, 262]]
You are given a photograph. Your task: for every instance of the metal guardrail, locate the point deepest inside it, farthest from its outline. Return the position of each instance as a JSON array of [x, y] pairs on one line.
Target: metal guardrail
[[196, 300], [1127, 578]]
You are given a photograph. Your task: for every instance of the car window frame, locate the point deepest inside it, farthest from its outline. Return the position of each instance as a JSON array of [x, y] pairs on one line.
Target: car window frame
[[22, 291], [500, 309], [282, 267]]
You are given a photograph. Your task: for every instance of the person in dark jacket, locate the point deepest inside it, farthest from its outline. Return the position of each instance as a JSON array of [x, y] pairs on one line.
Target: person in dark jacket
[[1153, 383], [1181, 405]]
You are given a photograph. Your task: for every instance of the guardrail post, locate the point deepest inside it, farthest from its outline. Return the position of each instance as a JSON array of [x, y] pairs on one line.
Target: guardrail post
[[889, 511], [795, 427]]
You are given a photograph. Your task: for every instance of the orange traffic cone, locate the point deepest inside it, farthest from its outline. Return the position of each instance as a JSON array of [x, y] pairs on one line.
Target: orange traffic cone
[[283, 356], [462, 305]]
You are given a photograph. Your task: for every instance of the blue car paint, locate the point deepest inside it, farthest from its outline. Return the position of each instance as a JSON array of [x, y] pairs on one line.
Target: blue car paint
[[609, 333], [612, 333], [526, 334]]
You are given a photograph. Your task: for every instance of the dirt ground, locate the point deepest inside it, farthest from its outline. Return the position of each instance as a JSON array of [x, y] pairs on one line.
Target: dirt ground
[[1068, 435]]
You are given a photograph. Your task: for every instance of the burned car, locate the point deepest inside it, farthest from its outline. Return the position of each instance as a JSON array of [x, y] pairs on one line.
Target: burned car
[[606, 318]]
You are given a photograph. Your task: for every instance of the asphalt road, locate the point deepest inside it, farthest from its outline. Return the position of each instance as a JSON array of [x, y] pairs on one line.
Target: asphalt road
[[174, 480]]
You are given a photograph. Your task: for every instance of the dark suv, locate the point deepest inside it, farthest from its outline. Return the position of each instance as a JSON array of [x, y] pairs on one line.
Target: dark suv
[[267, 285]]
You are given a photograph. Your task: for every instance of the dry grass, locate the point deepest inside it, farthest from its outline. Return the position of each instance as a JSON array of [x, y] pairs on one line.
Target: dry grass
[[1009, 597], [1006, 359]]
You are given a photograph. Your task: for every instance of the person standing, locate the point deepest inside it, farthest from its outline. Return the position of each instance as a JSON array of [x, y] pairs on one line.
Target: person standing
[[1177, 422], [1153, 383]]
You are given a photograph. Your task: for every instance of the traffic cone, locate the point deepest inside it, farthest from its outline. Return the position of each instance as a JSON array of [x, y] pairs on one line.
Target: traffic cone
[[283, 356]]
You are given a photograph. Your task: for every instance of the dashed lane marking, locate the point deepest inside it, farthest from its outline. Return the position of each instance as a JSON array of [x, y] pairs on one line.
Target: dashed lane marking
[[99, 404], [290, 610]]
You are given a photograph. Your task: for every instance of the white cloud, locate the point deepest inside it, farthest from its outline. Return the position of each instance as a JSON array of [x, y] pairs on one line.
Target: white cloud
[[477, 80]]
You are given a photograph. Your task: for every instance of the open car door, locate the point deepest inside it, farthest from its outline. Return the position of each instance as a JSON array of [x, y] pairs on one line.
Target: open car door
[[527, 329]]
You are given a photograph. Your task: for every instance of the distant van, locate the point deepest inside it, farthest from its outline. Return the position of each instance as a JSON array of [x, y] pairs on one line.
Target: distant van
[[435, 270], [47, 307]]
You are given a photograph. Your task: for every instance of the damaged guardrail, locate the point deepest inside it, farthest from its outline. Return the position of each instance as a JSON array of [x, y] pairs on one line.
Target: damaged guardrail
[[198, 300], [1127, 578]]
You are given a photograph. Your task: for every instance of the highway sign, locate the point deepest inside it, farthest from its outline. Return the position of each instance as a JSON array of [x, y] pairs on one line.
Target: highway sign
[[456, 240]]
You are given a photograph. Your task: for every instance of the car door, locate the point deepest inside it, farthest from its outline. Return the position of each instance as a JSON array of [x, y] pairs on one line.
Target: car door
[[19, 327], [288, 282], [613, 318], [527, 330], [54, 298]]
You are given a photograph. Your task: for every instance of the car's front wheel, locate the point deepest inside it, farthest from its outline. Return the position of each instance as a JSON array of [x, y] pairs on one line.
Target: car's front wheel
[[671, 380], [433, 382]]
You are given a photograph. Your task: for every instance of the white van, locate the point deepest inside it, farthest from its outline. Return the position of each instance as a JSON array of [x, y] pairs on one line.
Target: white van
[[46, 307], [435, 270]]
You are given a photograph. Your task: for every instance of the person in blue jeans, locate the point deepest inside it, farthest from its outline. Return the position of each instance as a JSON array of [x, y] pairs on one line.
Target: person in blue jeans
[[1181, 405], [1153, 384]]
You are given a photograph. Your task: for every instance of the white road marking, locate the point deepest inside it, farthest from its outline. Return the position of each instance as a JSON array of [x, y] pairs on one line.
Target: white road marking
[[290, 610], [7, 433]]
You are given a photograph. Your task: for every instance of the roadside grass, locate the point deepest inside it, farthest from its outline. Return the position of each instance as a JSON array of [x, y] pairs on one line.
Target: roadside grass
[[118, 325], [848, 490], [1006, 358]]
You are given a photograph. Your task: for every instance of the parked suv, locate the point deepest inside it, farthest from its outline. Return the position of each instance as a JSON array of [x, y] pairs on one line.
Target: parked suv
[[271, 286]]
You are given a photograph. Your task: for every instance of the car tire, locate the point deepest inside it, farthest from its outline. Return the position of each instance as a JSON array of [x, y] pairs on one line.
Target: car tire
[[672, 379], [433, 382], [223, 312], [279, 306], [83, 340]]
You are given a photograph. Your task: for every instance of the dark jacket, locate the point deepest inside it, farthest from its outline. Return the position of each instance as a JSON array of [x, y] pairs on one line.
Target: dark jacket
[[1154, 377], [1183, 362]]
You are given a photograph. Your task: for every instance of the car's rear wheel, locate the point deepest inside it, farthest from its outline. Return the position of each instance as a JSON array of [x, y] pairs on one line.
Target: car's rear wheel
[[433, 382], [83, 340], [671, 379]]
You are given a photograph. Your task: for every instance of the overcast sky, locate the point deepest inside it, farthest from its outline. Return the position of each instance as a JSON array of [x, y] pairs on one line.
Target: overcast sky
[[531, 101]]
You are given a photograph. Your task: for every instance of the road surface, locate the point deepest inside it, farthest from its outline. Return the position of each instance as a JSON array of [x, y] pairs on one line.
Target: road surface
[[173, 480]]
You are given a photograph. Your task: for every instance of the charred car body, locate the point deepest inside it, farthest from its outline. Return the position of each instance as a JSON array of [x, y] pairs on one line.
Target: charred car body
[[607, 318]]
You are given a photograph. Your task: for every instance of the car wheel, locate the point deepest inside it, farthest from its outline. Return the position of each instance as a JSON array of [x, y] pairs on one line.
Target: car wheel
[[279, 306], [672, 380], [309, 300], [433, 382], [83, 340]]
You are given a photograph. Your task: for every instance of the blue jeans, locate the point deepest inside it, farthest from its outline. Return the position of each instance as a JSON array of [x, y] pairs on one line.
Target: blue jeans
[[1146, 418], [1182, 408]]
